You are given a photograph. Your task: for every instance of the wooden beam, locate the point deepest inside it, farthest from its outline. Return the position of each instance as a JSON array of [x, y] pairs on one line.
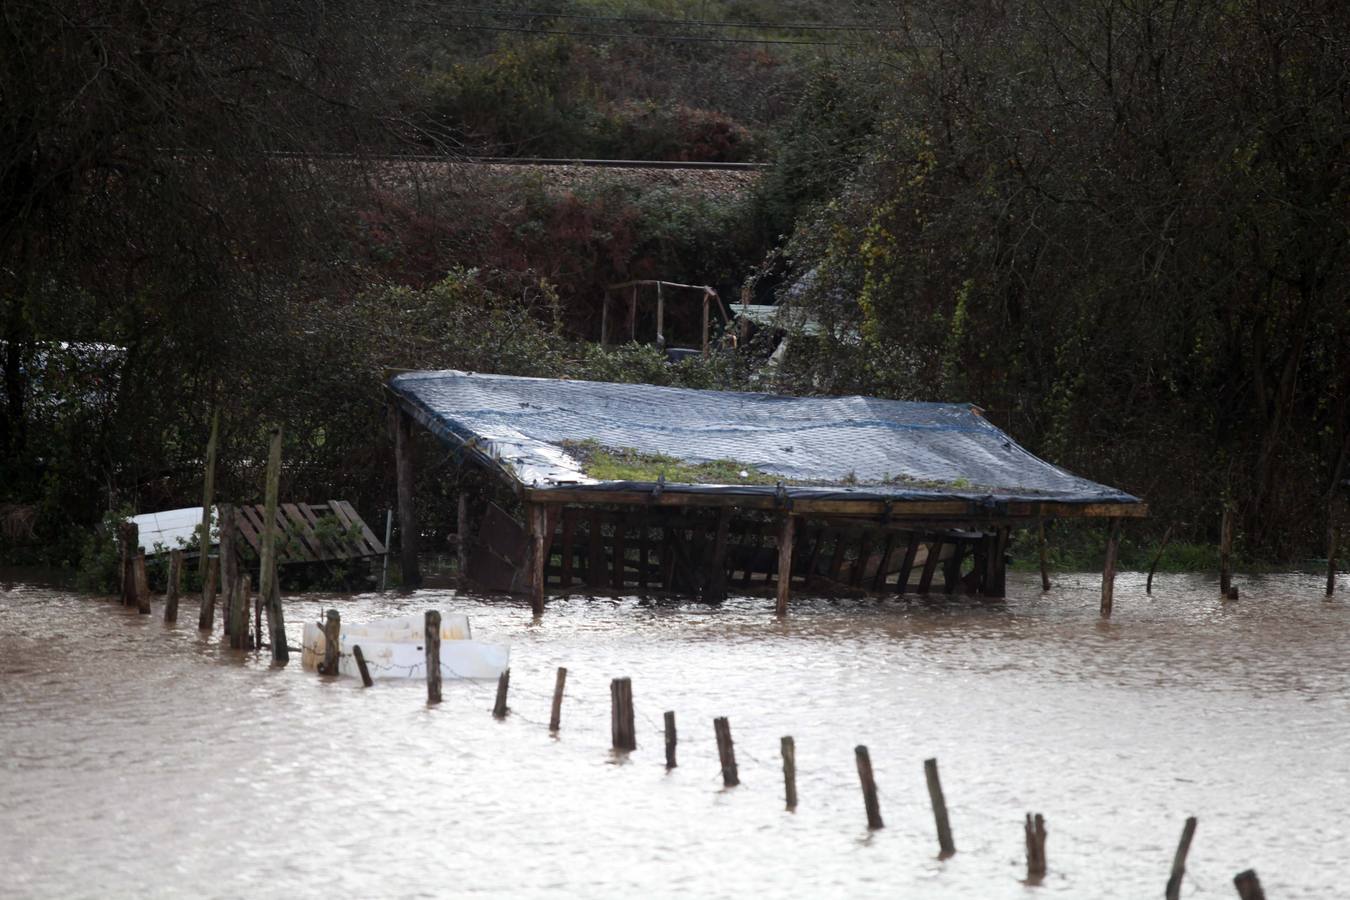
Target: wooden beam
[[407, 515], [1109, 569], [785, 563]]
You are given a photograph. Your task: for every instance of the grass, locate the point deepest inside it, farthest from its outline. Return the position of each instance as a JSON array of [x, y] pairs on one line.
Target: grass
[[627, 464]]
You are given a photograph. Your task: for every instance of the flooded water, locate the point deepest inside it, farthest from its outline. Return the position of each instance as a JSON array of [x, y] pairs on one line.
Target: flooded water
[[138, 759]]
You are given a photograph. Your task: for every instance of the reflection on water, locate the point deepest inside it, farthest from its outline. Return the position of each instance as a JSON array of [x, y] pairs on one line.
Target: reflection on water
[[144, 759]]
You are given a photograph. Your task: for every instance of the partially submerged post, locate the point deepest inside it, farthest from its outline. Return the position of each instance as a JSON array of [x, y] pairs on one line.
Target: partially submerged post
[[142, 586], [789, 749], [129, 543], [622, 731], [537, 517], [1226, 550], [555, 714], [269, 594], [1173, 891], [785, 538], [332, 642], [174, 586], [1333, 547], [1248, 885], [1045, 565], [208, 495], [433, 643], [462, 533], [361, 665], [1035, 836], [243, 590], [401, 423], [671, 738], [229, 566], [946, 846], [1109, 568], [499, 707], [726, 752], [276, 621], [206, 617], [1167, 536], [869, 788]]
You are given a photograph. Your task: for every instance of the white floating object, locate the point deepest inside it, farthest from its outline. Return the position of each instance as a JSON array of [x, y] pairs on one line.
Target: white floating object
[[396, 648]]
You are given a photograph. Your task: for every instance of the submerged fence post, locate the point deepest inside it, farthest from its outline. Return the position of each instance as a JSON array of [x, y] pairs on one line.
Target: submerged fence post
[[499, 707], [726, 752], [671, 738], [142, 586], [1173, 891], [785, 538], [1226, 550], [276, 621], [1333, 549], [433, 642], [269, 593], [172, 589], [229, 565], [1248, 885], [1045, 564], [129, 539], [621, 714], [1035, 835], [1109, 568], [1167, 536], [243, 590], [946, 846], [869, 788], [555, 714], [361, 665], [206, 617], [332, 637], [789, 748]]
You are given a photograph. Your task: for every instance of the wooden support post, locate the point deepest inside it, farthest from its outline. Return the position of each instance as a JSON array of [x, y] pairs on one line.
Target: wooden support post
[[243, 589], [907, 565], [660, 317], [1248, 885], [996, 584], [206, 616], [229, 564], [716, 591], [855, 574], [1035, 835], [537, 521], [1333, 548], [555, 714], [622, 730], [1045, 563], [644, 550], [332, 643], [869, 788], [407, 515], [433, 645], [750, 544], [883, 567], [726, 752], [1167, 535], [618, 558], [1109, 568], [789, 748], [462, 526], [276, 620], [361, 665], [129, 543], [499, 707], [174, 586], [785, 535], [951, 574], [930, 565], [257, 618], [1226, 550], [142, 586], [1173, 891], [671, 738], [946, 847], [208, 496], [267, 540]]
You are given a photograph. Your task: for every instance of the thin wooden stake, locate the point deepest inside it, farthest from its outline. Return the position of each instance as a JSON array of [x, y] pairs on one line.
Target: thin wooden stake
[[499, 708], [229, 565], [276, 621], [537, 521], [462, 524], [1167, 536], [869, 788], [622, 731], [129, 541], [671, 738], [407, 515], [243, 589], [206, 617], [1333, 549], [1173, 891], [171, 591], [267, 540], [785, 534], [332, 639], [1248, 885], [208, 495], [555, 715], [789, 749], [1035, 835], [1109, 569], [1226, 551], [142, 586], [361, 665], [726, 752], [946, 846], [1045, 563], [433, 642]]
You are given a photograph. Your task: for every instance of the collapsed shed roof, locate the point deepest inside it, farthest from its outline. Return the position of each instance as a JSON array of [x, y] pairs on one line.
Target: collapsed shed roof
[[816, 448]]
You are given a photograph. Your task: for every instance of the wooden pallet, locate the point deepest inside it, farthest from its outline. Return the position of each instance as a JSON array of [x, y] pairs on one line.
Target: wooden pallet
[[306, 540]]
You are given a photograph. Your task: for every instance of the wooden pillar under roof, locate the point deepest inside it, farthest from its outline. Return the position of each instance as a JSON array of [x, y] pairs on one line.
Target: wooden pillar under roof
[[785, 541], [401, 425]]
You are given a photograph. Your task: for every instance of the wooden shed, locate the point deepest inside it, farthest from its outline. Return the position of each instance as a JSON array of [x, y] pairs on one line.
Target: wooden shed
[[631, 487]]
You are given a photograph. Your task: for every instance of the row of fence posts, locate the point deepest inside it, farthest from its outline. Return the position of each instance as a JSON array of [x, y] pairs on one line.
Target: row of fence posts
[[623, 738]]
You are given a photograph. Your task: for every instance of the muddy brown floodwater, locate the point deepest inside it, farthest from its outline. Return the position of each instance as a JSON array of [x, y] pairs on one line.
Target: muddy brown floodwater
[[138, 759]]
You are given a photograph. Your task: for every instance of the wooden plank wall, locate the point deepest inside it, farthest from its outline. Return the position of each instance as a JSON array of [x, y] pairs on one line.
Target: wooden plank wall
[[678, 551]]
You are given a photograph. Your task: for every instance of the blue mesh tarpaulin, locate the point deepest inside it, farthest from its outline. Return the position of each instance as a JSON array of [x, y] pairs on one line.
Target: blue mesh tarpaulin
[[846, 447]]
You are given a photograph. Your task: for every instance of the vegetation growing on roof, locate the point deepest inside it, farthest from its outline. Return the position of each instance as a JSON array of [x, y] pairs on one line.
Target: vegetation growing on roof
[[627, 464]]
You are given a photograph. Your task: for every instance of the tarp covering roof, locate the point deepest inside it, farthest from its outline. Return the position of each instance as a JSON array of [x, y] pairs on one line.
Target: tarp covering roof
[[844, 447]]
